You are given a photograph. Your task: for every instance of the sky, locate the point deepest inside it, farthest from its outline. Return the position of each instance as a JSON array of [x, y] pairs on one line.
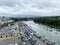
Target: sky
[[29, 7]]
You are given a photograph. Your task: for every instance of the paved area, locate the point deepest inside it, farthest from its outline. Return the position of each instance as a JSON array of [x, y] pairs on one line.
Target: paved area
[[11, 41]]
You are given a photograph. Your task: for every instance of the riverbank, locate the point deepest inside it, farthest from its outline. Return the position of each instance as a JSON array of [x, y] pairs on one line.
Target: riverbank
[[52, 22], [50, 26]]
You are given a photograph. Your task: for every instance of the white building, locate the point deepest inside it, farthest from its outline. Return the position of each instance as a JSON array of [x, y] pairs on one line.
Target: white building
[[5, 20]]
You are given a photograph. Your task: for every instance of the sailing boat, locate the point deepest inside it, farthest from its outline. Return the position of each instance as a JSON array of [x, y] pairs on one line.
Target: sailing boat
[[16, 44]]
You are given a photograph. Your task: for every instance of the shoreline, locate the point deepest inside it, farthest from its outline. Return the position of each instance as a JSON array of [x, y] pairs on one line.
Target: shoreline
[[50, 26]]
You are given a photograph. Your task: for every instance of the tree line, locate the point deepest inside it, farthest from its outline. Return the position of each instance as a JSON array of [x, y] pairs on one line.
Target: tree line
[[53, 22]]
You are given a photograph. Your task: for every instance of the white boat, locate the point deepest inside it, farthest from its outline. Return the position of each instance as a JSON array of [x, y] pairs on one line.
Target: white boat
[[16, 44], [57, 44]]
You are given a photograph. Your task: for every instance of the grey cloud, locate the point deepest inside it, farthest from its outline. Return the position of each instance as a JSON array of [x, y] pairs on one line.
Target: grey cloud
[[27, 7], [34, 3], [8, 2]]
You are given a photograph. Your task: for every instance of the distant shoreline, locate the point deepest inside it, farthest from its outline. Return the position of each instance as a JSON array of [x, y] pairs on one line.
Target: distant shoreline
[[52, 22]]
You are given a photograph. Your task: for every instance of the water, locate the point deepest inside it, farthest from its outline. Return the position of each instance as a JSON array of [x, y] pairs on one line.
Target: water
[[43, 30]]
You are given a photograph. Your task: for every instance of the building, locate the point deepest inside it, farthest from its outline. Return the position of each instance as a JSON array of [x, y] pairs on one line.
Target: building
[[5, 20]]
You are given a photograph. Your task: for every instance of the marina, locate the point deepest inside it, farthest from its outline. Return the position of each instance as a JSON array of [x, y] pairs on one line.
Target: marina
[[26, 35], [43, 31], [29, 22], [30, 37]]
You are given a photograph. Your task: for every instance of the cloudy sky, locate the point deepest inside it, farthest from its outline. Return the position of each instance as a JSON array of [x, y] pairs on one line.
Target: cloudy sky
[[29, 7]]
